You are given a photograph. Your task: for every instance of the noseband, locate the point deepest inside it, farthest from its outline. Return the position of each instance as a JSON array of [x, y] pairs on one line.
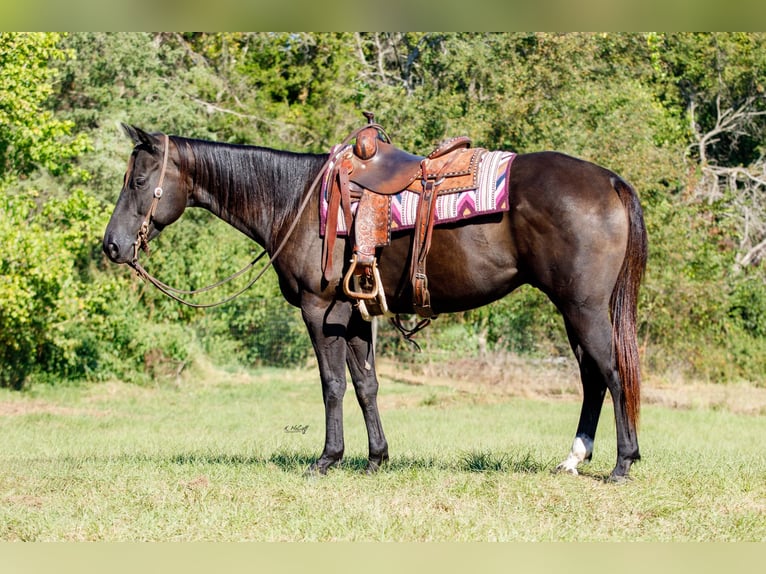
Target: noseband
[[142, 239]]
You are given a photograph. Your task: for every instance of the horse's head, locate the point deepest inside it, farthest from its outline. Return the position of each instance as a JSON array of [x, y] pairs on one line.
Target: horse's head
[[153, 196]]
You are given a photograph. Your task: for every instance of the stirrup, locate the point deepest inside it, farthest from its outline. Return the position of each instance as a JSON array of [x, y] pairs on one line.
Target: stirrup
[[375, 294]]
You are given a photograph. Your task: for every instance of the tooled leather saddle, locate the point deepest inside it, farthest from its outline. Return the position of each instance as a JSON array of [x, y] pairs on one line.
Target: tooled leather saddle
[[370, 172]]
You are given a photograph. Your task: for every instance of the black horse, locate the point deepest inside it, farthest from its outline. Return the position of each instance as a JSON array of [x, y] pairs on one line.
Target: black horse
[[573, 230]]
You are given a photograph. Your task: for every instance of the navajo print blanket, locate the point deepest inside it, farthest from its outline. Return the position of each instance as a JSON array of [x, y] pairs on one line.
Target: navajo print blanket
[[491, 196]]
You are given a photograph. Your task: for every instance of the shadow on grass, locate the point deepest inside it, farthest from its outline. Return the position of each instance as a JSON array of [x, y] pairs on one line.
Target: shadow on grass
[[299, 461], [484, 461], [605, 477], [480, 461], [513, 462]]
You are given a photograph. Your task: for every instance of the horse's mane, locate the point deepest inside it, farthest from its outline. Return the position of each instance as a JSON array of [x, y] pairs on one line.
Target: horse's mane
[[246, 180]]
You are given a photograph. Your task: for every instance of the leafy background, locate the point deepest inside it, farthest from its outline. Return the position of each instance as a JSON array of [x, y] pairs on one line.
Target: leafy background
[[682, 116]]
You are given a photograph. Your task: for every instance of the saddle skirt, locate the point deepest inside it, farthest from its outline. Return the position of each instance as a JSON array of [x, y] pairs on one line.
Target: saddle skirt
[[487, 195]]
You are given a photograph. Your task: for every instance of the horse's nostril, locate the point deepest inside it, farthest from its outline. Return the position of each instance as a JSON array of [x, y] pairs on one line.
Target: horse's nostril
[[112, 250]]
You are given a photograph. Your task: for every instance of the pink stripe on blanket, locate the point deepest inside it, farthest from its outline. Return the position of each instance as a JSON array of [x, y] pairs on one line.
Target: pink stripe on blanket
[[490, 197]]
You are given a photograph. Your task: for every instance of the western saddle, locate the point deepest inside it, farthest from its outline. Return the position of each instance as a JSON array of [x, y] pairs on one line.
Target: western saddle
[[370, 172]]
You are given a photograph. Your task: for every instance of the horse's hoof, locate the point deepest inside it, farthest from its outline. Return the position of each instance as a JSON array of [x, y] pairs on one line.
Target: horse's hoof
[[375, 464], [565, 468], [372, 468], [618, 479], [315, 470]]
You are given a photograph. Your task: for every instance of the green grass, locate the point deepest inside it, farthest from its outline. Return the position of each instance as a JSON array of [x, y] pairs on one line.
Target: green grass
[[210, 459]]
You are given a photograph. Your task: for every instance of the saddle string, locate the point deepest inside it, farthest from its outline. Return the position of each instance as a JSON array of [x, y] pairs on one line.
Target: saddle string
[[143, 233], [409, 332]]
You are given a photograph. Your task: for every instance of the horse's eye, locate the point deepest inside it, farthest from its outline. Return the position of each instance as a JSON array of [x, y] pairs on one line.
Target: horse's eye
[[140, 181]]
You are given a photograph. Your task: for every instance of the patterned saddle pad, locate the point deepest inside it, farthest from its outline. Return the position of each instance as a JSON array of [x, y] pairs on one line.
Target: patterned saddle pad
[[491, 196]]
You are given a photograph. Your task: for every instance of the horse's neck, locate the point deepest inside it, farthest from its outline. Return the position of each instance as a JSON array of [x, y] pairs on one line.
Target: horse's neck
[[245, 187], [255, 228]]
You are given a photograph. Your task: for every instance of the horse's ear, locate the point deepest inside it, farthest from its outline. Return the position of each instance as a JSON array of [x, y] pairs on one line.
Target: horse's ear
[[131, 132], [139, 136]]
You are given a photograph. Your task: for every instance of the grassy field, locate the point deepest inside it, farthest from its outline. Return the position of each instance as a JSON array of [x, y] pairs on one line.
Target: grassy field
[[221, 457]]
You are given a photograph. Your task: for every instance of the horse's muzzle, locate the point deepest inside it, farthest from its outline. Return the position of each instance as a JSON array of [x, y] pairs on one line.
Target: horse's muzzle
[[117, 251]]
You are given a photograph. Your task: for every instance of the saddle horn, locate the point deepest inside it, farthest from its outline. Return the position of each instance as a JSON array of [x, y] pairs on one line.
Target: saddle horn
[[366, 145]]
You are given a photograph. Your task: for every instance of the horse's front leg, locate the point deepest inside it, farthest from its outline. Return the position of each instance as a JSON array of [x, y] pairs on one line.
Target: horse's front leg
[[327, 323], [361, 365]]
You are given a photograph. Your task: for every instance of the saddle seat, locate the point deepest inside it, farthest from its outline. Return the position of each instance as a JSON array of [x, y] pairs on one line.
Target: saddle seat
[[371, 172], [382, 168]]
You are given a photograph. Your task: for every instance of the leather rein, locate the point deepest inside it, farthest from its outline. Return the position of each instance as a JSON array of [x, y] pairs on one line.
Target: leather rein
[[142, 238]]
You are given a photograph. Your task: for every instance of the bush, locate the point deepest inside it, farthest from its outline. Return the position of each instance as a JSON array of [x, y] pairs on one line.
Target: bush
[[268, 330], [34, 270], [748, 306]]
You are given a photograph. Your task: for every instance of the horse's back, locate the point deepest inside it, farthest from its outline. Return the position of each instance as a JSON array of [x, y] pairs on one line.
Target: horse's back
[[554, 180], [565, 232]]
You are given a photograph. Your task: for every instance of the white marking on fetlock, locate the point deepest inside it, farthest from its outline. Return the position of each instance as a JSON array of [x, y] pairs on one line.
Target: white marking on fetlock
[[582, 448], [569, 465]]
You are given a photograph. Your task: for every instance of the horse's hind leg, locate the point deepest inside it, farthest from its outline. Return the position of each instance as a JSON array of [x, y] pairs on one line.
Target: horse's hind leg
[[594, 390], [590, 334], [361, 365]]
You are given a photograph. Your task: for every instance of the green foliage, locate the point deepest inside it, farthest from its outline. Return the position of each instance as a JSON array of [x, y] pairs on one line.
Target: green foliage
[[715, 71], [268, 330], [40, 292], [30, 286], [748, 306], [693, 302], [31, 136], [526, 322]]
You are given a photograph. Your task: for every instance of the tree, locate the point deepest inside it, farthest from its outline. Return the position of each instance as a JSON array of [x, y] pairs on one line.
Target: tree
[[720, 79], [31, 137], [35, 266]]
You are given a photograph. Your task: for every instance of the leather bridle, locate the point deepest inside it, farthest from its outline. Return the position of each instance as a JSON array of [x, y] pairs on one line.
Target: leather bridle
[[142, 239], [142, 243]]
